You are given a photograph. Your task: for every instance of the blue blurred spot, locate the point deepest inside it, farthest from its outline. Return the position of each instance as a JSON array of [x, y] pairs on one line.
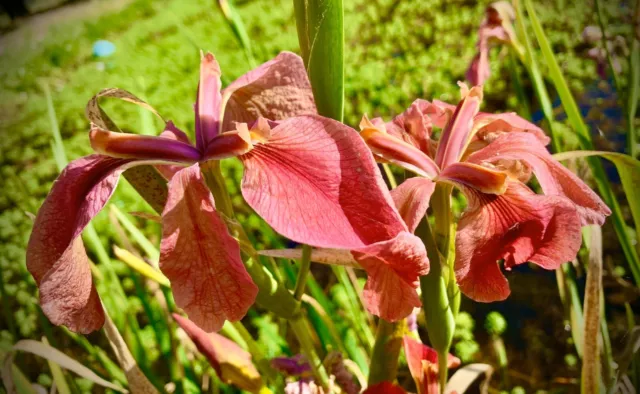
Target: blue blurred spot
[[103, 48]]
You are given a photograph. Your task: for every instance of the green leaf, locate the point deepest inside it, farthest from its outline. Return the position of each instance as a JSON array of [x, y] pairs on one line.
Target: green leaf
[[581, 130], [321, 37], [149, 248], [58, 376], [52, 354]]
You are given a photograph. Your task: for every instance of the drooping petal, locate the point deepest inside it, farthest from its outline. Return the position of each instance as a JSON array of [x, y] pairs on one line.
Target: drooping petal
[[315, 182], [393, 268], [276, 90], [324, 256], [481, 178], [423, 365], [233, 364], [457, 132], [395, 150], [209, 102], [554, 178], [489, 126], [518, 226], [412, 200], [142, 147], [200, 258], [55, 254]]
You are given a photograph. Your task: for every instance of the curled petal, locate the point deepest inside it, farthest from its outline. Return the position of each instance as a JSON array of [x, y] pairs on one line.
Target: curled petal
[[229, 144], [395, 150], [143, 147], [554, 178], [393, 269], [276, 90], [209, 101], [232, 363], [55, 254], [414, 125], [200, 258], [518, 226], [412, 200], [315, 182], [481, 178], [457, 132], [173, 133]]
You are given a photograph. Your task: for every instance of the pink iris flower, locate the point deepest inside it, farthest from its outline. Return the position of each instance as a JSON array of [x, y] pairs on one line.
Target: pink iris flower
[[489, 157], [311, 178]]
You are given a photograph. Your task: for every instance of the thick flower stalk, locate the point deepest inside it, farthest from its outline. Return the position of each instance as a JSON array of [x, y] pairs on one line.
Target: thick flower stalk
[[489, 157]]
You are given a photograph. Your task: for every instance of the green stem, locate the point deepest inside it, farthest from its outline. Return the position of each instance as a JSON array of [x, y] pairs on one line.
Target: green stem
[[386, 350], [301, 330], [303, 272], [438, 308]]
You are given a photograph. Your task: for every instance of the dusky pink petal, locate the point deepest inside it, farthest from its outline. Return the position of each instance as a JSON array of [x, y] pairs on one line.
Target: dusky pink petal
[[457, 132], [479, 70], [412, 200], [507, 122], [55, 254], [395, 150], [384, 388], [200, 258], [141, 147], [414, 125], [232, 363], [423, 365], [276, 90], [554, 178], [209, 101], [315, 182], [518, 226], [393, 268], [481, 178]]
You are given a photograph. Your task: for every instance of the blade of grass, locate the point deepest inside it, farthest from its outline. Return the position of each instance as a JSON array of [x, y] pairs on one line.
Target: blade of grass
[[57, 374], [149, 248], [237, 26], [582, 132], [52, 354], [114, 372]]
